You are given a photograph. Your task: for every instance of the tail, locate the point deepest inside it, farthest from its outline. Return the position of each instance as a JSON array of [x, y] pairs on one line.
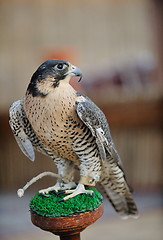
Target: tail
[[124, 205]]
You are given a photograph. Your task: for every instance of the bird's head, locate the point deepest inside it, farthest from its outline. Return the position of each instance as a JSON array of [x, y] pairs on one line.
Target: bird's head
[[49, 75]]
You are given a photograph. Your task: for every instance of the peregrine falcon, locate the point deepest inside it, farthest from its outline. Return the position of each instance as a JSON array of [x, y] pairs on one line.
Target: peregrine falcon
[[56, 120]]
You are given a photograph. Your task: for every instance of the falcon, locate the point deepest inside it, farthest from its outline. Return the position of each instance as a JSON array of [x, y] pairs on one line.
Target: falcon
[[62, 123]]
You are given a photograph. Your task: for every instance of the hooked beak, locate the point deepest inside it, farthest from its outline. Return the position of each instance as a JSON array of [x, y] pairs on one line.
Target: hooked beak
[[75, 71]]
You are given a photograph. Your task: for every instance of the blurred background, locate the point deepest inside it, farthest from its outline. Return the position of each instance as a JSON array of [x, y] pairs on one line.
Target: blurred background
[[118, 46]]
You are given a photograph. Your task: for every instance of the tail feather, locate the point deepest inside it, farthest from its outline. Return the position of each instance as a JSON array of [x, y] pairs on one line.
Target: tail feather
[[124, 205]]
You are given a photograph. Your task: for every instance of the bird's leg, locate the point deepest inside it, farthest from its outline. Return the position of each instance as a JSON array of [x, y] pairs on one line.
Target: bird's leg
[[66, 171], [89, 181], [89, 175]]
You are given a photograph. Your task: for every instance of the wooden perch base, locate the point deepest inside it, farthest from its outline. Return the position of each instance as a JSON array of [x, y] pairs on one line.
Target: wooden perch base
[[67, 227]]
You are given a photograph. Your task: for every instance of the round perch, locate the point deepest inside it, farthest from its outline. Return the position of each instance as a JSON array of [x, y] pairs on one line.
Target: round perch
[[66, 218], [67, 227]]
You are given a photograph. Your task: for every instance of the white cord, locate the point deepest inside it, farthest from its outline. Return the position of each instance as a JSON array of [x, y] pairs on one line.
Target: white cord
[[21, 191]]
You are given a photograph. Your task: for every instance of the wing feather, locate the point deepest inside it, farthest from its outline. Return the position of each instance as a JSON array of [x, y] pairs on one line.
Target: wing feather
[[17, 126], [96, 121]]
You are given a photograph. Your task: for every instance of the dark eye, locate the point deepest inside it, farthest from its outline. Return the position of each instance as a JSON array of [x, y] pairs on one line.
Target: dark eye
[[60, 66]]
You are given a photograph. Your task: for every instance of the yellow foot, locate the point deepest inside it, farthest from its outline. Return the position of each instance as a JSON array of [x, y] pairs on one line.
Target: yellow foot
[[78, 190]]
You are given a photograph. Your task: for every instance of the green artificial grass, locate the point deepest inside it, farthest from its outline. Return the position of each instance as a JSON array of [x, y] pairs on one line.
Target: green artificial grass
[[51, 207]]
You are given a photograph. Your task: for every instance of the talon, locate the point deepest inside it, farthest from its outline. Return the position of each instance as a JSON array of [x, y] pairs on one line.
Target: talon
[[61, 192], [92, 194], [44, 194], [61, 200], [55, 192]]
